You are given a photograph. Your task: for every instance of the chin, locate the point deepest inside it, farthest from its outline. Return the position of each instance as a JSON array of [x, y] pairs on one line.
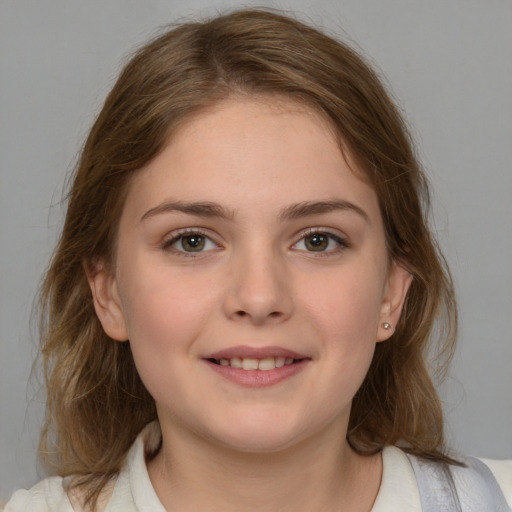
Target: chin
[[263, 434], [260, 443]]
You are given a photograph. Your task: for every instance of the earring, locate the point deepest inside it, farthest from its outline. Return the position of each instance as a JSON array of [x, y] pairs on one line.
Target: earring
[[386, 325]]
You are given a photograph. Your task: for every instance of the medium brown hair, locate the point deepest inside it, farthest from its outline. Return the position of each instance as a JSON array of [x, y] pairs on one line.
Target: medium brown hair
[[97, 403]]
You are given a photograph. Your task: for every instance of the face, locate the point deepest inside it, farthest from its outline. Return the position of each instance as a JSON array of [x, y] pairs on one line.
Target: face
[[251, 278]]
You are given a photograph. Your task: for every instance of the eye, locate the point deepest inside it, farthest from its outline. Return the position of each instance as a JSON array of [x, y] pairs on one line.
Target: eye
[[190, 242], [320, 241]]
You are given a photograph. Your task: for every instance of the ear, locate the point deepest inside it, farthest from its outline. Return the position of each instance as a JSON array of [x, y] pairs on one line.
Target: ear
[[105, 295], [398, 282]]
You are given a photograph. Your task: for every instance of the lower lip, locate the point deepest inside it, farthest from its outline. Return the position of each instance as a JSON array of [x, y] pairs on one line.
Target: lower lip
[[258, 378]]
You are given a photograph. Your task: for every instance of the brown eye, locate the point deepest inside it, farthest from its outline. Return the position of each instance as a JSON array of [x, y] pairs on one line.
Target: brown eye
[[193, 243], [317, 242], [321, 242], [190, 243]]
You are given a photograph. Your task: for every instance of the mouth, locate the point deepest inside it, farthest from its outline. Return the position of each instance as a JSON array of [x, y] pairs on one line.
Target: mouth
[[252, 364], [257, 366]]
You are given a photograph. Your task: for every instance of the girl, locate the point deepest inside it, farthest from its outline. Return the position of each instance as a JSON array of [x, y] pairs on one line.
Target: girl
[[237, 314]]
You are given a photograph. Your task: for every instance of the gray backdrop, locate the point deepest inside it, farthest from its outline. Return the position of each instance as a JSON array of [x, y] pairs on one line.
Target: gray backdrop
[[448, 61]]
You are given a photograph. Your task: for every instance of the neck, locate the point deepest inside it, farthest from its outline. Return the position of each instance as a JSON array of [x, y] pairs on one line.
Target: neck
[[317, 474]]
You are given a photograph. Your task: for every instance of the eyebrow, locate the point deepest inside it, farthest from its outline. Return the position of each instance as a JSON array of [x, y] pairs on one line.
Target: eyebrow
[[200, 209], [294, 211], [307, 208]]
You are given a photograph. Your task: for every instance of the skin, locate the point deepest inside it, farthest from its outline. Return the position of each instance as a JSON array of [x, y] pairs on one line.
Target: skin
[[256, 283]]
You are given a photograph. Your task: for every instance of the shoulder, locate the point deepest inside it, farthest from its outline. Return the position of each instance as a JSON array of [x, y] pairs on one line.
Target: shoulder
[[471, 487], [49, 495], [128, 492], [502, 472], [412, 484]]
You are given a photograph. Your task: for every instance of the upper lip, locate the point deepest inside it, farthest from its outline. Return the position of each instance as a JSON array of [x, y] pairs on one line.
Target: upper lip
[[243, 352]]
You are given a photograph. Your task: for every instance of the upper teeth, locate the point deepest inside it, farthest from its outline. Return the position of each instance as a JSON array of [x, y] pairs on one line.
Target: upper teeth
[[248, 363]]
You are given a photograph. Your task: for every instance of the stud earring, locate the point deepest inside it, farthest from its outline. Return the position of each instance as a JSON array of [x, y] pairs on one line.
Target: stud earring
[[386, 325]]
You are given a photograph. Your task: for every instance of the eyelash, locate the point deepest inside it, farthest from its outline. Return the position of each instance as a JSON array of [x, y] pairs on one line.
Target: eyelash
[[342, 243], [167, 245]]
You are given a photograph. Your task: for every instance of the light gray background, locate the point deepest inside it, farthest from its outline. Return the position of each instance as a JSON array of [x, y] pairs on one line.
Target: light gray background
[[448, 61]]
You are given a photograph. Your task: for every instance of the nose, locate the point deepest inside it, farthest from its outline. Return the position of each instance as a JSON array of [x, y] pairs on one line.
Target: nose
[[260, 288]]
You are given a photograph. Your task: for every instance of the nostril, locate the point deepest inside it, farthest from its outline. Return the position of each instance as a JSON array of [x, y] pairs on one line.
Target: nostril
[[273, 314]]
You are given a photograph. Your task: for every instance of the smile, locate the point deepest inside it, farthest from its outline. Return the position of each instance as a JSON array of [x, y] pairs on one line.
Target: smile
[[250, 363], [257, 367]]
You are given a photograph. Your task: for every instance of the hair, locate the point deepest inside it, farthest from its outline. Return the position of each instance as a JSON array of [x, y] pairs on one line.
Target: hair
[[96, 402]]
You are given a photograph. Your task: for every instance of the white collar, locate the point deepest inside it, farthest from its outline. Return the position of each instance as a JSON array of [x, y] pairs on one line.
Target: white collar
[[398, 490]]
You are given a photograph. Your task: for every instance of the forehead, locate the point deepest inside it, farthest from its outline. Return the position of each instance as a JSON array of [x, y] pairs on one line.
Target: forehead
[[246, 150]]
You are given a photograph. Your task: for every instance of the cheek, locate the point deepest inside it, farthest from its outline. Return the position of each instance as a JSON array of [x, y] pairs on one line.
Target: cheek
[[163, 312], [162, 323], [347, 307], [347, 324]]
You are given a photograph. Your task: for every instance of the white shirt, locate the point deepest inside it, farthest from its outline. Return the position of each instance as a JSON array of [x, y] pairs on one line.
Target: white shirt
[[133, 492]]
